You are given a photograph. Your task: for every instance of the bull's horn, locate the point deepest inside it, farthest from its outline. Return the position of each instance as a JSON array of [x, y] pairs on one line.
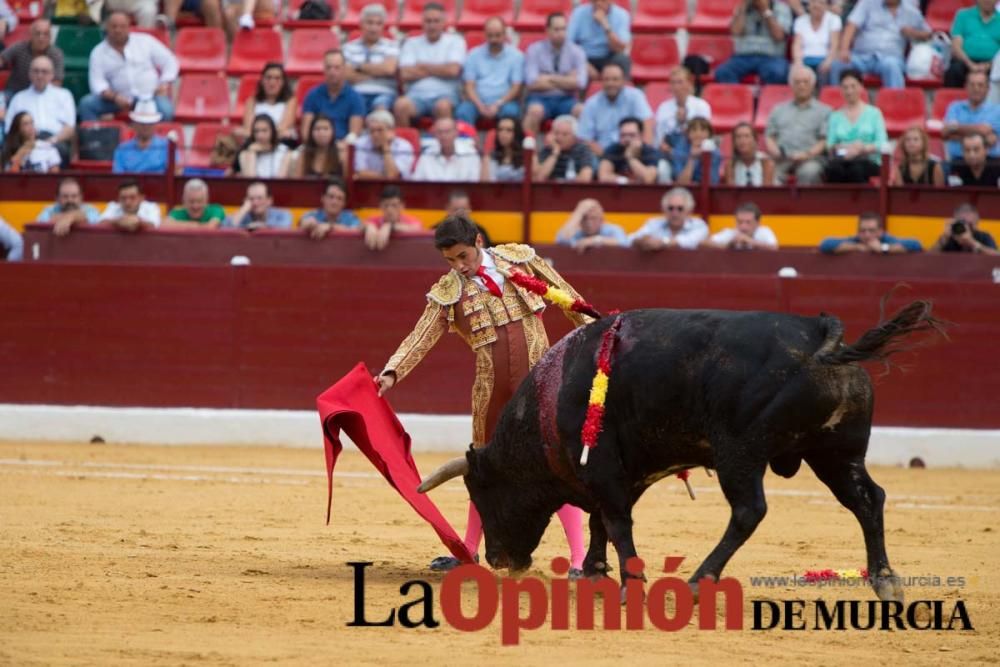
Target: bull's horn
[[454, 468]]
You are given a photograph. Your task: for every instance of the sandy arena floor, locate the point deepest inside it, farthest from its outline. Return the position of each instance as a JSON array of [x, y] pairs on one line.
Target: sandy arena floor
[[166, 556]]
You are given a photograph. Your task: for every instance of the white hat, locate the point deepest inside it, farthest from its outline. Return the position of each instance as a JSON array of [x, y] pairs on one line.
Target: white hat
[[145, 112]]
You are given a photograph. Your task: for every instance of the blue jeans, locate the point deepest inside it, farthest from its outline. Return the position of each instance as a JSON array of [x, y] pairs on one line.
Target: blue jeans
[[425, 105], [467, 111], [554, 105], [375, 101], [889, 68], [92, 107], [770, 69]]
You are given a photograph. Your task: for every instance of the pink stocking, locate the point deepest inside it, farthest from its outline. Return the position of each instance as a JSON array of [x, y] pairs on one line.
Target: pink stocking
[[572, 521]]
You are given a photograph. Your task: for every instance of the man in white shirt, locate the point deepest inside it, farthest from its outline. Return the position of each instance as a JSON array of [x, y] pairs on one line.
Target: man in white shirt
[[380, 153], [373, 60], [673, 115], [131, 212], [748, 234], [450, 160], [51, 107], [430, 66], [675, 229], [126, 67]]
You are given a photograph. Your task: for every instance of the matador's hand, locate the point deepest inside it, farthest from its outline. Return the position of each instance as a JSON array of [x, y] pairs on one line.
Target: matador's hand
[[384, 382]]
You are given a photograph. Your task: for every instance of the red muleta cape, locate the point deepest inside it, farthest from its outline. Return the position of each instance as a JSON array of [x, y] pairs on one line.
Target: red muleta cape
[[353, 406]]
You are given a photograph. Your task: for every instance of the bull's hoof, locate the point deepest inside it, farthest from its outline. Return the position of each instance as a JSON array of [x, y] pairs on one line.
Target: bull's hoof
[[596, 570], [888, 586]]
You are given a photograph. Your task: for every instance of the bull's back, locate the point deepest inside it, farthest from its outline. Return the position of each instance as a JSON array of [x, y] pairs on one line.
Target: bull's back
[[691, 376]]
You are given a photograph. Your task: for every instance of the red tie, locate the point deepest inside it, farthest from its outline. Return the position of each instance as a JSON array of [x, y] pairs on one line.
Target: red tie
[[489, 282]]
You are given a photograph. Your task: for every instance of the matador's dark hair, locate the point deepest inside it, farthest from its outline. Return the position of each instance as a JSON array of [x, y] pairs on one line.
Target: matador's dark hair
[[453, 230]]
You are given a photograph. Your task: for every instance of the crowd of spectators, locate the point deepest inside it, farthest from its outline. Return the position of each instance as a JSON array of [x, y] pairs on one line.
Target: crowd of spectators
[[376, 85]]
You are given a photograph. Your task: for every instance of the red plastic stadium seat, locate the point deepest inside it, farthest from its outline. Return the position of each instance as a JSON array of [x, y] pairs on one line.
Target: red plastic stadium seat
[[352, 17], [533, 13], [657, 93], [26, 10], [252, 49], [527, 38], [474, 38], [939, 107], [202, 97], [653, 56], [306, 48], [475, 12], [201, 143], [290, 22], [201, 50], [305, 84], [412, 10], [159, 33], [941, 13], [902, 108], [713, 16], [246, 90], [4, 75], [716, 49], [18, 34], [832, 97], [659, 16], [770, 97], [731, 103]]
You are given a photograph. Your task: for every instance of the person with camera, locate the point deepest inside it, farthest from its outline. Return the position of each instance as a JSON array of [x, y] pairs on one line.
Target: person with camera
[[961, 235], [871, 239]]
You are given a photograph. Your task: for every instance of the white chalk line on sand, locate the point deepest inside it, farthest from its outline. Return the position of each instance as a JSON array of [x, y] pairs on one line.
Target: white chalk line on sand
[[116, 470]]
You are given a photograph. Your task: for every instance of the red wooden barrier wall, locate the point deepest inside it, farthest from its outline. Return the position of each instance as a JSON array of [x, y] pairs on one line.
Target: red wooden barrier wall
[[275, 336]]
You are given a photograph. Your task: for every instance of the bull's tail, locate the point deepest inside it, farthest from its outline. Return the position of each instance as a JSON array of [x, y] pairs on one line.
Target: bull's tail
[[884, 340]]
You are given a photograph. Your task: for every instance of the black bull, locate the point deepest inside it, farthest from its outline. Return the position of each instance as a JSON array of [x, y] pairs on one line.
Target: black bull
[[730, 391]]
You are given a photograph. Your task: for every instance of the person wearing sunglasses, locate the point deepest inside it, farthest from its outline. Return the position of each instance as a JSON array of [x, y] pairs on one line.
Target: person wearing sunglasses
[[676, 228]]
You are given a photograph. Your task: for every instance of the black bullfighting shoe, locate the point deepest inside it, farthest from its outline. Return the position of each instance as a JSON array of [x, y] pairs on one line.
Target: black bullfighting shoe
[[446, 563]]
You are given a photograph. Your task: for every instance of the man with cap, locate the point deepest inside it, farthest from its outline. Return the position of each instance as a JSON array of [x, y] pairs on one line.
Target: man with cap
[[147, 152]]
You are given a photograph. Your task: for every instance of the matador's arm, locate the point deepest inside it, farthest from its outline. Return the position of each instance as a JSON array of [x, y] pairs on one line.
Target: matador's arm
[[432, 323]]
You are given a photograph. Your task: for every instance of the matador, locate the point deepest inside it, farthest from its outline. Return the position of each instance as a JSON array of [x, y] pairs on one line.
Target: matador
[[502, 324]]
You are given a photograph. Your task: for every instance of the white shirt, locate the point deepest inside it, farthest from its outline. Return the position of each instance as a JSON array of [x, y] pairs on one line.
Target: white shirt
[[449, 48], [148, 211], [269, 163], [52, 109], [42, 158], [490, 267], [147, 64], [367, 158], [463, 165], [274, 110], [762, 235], [357, 53], [666, 114], [691, 235], [816, 43]]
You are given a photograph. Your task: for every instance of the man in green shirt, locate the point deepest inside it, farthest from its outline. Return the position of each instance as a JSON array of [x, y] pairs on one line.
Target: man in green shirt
[[975, 40], [195, 209]]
